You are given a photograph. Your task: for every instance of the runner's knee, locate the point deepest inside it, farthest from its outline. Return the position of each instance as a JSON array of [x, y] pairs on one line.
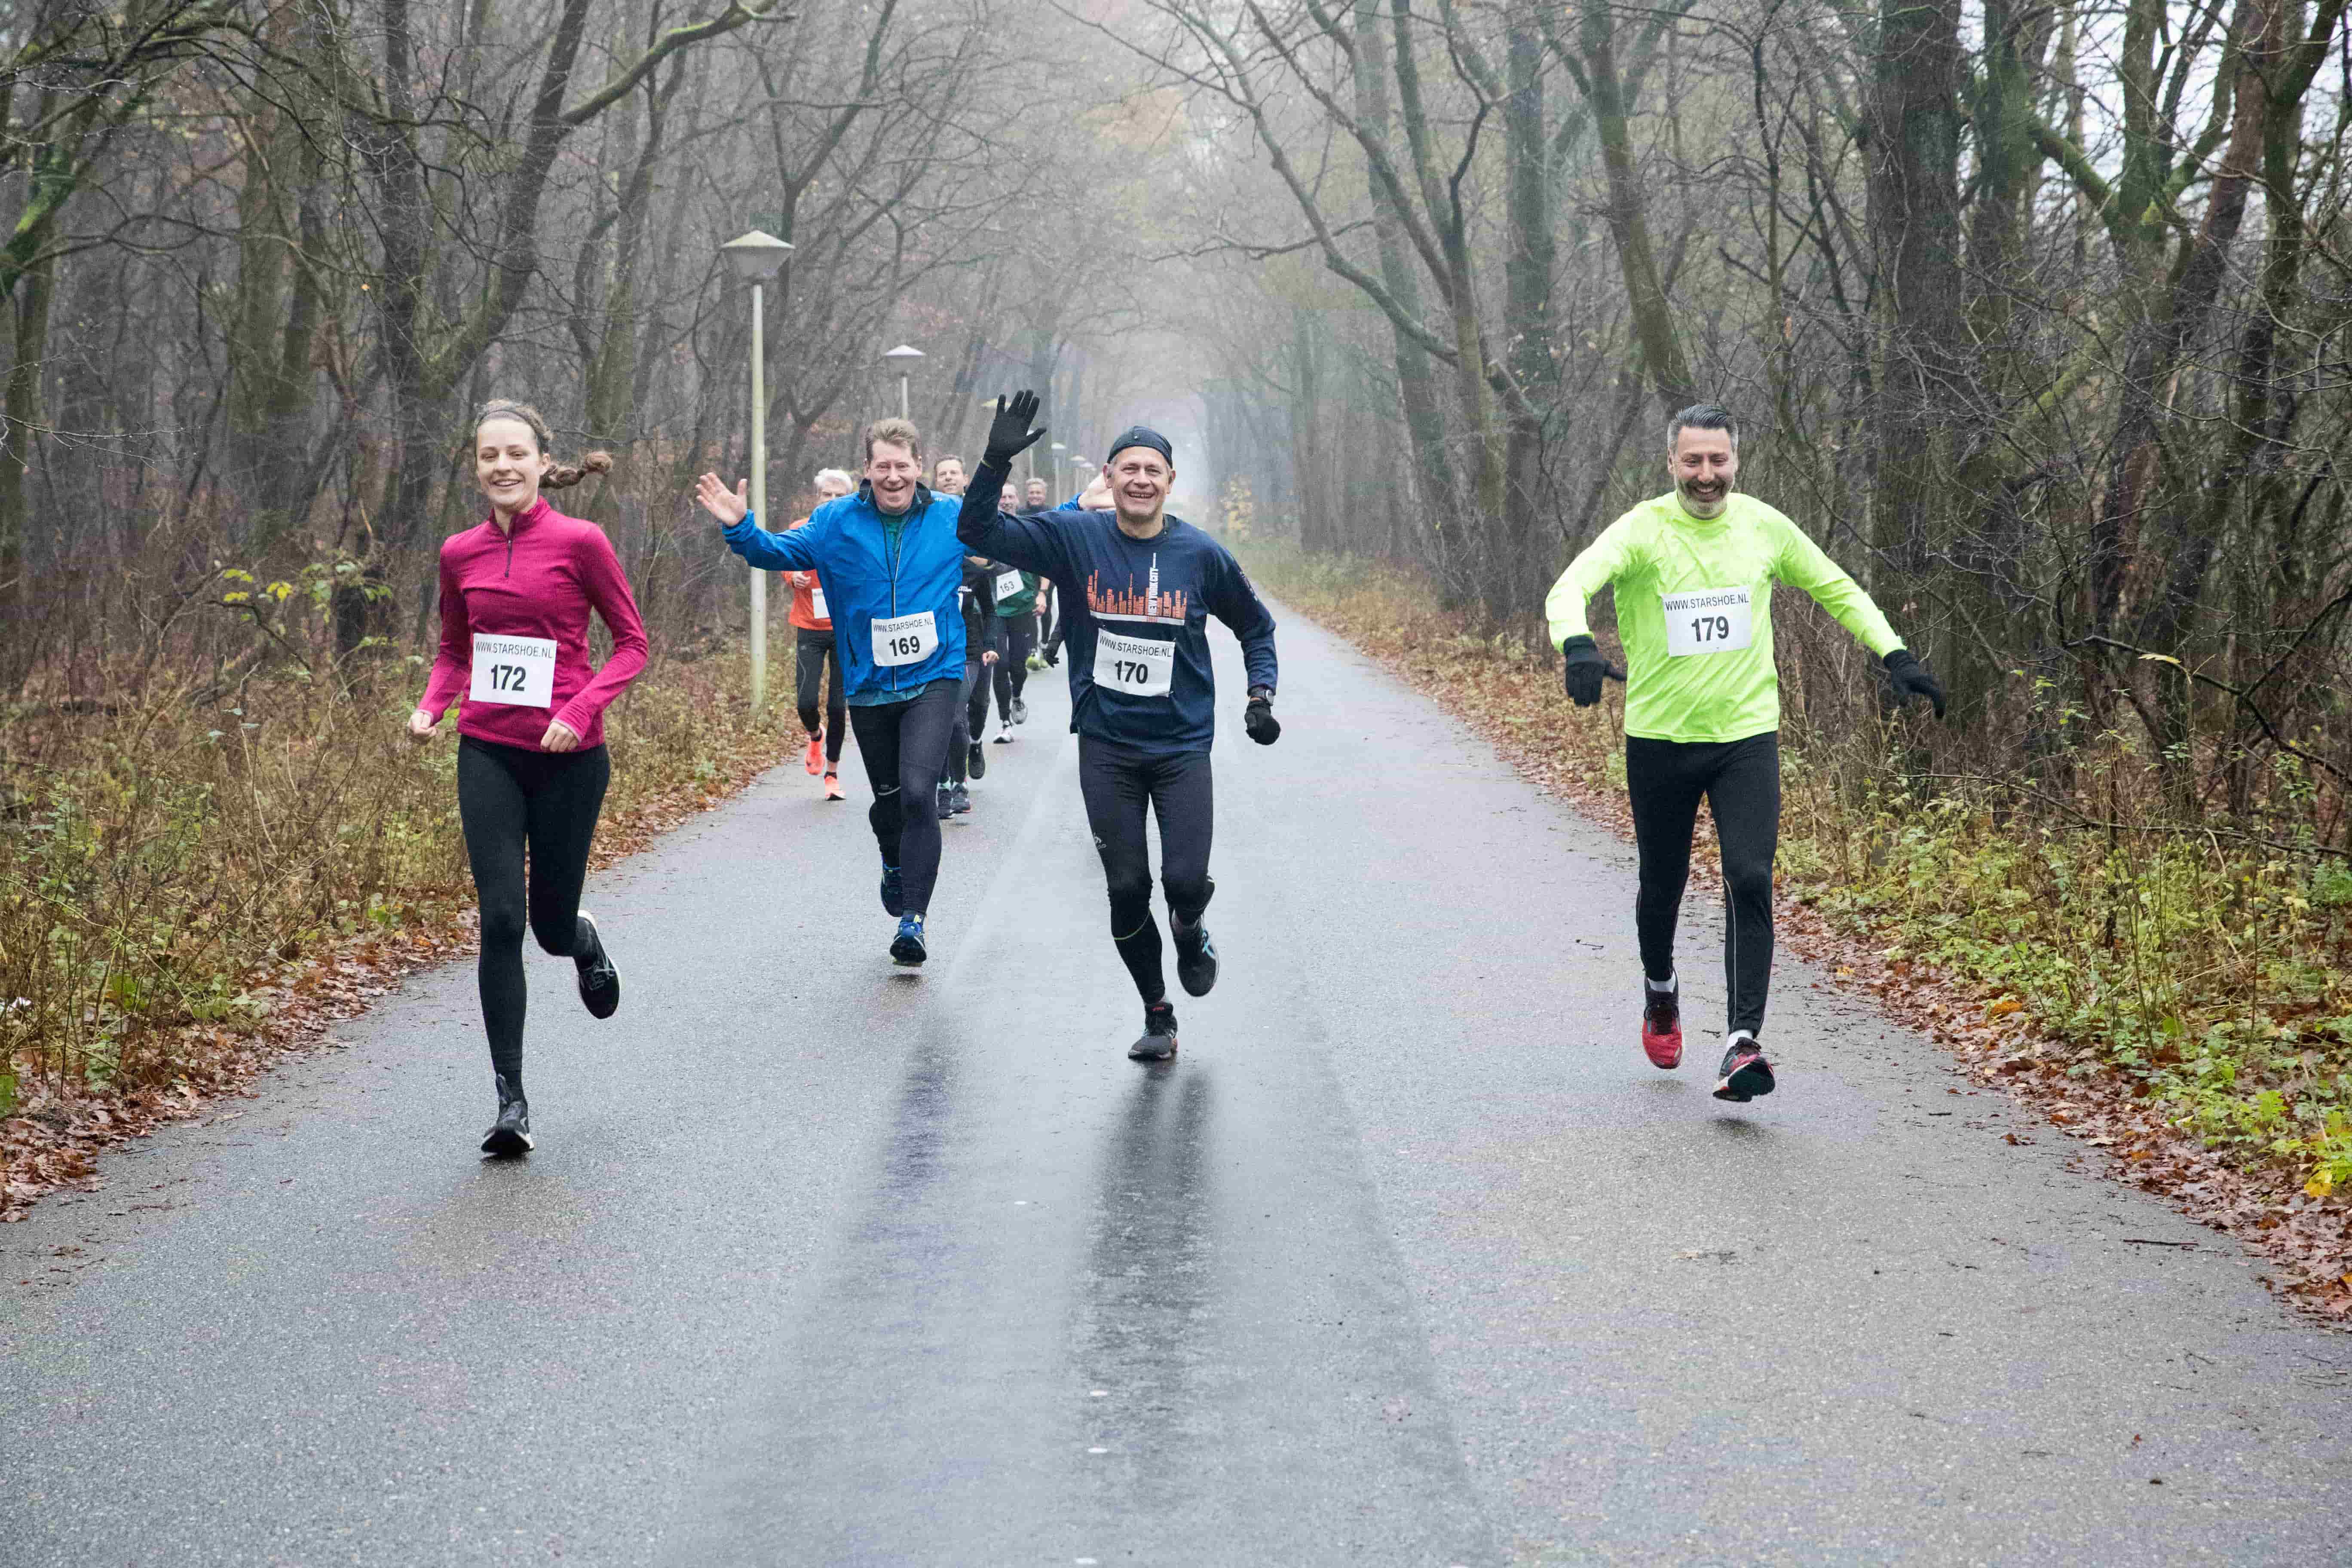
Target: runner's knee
[[1749, 875], [503, 922], [1131, 899], [1187, 895]]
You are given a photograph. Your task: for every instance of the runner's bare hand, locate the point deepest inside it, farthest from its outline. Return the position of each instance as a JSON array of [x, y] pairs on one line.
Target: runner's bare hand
[[728, 506]]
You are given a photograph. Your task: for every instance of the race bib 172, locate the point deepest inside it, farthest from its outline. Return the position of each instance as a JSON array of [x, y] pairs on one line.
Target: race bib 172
[[1708, 620], [515, 672], [905, 639], [1134, 665]]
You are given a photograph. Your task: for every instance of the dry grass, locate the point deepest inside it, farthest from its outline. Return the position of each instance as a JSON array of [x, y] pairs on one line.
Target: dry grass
[[186, 886]]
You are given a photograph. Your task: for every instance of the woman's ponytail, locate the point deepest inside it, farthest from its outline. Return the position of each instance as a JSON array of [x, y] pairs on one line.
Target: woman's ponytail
[[563, 476]]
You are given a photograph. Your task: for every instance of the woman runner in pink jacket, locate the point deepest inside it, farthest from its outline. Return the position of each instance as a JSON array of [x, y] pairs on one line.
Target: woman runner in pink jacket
[[531, 765]]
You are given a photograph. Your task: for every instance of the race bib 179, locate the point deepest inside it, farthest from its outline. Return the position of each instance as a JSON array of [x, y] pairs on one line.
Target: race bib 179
[[1708, 620], [1133, 664], [905, 639], [515, 672]]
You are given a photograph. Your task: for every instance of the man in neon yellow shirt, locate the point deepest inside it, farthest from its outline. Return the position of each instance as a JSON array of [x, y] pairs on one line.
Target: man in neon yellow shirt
[[1694, 571]]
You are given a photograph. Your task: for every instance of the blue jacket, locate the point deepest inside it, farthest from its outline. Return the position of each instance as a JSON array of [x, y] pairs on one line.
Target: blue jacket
[[1157, 589], [864, 580]]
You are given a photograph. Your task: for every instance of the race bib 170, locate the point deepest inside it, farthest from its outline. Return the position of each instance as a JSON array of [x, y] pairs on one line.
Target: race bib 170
[[1709, 620], [517, 672], [905, 639], [1133, 664]]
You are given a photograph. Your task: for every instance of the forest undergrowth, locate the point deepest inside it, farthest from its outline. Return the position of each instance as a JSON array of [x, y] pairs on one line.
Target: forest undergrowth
[[2176, 991], [193, 879]]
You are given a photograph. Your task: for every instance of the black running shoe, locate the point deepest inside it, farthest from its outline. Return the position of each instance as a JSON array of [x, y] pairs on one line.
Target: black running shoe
[[894, 892], [600, 983], [959, 799], [510, 1133], [1745, 1073], [1158, 1041], [1196, 959], [975, 761], [906, 949], [946, 802]]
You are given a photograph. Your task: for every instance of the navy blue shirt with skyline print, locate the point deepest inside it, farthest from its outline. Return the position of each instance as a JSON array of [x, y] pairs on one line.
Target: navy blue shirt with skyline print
[[1136, 611]]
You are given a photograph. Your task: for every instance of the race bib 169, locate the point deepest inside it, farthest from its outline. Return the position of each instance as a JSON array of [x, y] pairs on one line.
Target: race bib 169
[[905, 639]]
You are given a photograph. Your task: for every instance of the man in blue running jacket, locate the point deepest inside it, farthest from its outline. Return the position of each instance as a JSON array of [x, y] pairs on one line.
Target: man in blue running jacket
[[891, 565]]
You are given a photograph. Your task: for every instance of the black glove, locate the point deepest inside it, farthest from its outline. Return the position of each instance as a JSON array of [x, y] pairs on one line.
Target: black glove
[[1008, 435], [1259, 721], [1054, 657], [1912, 678], [1582, 669]]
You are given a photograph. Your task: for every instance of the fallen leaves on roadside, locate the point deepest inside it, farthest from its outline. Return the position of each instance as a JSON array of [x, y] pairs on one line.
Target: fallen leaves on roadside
[[1995, 1039]]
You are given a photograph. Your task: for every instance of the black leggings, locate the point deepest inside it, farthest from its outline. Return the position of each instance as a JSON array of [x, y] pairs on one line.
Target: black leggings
[[1118, 783], [508, 797], [812, 652], [905, 747], [1741, 780], [1012, 670], [971, 720]]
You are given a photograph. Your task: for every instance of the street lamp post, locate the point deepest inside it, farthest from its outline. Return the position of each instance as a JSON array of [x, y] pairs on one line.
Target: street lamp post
[[1058, 450], [903, 356], [755, 256]]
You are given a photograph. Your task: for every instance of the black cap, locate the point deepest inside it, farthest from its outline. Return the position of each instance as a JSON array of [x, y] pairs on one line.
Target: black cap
[[1141, 435]]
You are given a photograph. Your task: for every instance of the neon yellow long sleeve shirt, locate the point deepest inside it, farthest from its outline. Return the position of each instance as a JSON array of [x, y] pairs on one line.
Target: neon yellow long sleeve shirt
[[1694, 610]]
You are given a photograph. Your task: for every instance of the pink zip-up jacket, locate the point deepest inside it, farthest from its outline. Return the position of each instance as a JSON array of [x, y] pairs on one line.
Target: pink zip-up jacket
[[541, 581]]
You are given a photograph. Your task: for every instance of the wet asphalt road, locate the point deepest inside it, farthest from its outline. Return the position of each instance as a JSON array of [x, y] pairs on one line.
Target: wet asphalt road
[[1409, 1258]]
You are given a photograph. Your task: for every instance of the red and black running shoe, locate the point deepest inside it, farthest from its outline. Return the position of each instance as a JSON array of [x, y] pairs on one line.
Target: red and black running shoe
[[1662, 1027], [1746, 1074]]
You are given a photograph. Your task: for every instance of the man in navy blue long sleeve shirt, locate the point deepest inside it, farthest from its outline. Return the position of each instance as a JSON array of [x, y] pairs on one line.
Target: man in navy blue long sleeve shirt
[[1137, 589]]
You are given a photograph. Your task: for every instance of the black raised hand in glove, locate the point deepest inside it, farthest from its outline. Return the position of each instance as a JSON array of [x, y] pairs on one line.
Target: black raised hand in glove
[[1008, 435], [1912, 678], [1582, 669], [1258, 718]]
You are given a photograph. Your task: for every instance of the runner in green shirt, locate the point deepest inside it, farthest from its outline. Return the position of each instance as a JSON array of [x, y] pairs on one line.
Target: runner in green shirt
[[1694, 571]]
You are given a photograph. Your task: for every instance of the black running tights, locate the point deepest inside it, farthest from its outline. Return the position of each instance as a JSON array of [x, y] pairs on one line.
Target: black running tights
[[812, 652], [1012, 670], [1118, 783], [905, 747], [1741, 781], [971, 720], [510, 797]]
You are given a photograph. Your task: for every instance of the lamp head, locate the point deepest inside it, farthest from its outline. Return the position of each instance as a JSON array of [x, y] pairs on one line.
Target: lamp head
[[756, 256]]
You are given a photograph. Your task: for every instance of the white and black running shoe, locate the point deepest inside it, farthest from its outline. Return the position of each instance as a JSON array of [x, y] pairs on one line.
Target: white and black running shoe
[[1196, 959], [600, 983], [510, 1133]]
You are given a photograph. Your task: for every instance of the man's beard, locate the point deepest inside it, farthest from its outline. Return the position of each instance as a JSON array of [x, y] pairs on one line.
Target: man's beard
[[1706, 492]]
